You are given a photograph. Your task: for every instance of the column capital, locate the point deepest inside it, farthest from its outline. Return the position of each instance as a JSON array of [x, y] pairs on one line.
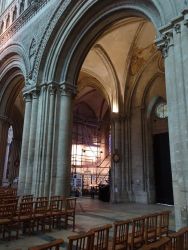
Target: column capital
[[53, 87], [35, 93], [31, 90], [165, 42], [67, 89], [177, 28], [27, 97]]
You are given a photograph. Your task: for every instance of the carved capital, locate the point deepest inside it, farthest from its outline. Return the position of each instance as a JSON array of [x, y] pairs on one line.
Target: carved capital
[[177, 28], [67, 89], [35, 93], [27, 97], [165, 42], [186, 19], [53, 88]]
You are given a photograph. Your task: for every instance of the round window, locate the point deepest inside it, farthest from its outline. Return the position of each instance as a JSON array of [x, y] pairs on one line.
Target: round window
[[161, 110]]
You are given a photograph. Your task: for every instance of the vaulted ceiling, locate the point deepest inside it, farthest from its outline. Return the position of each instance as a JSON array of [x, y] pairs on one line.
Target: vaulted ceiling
[[113, 62]]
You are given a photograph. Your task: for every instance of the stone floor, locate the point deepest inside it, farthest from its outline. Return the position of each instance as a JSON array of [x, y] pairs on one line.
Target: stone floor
[[90, 213]]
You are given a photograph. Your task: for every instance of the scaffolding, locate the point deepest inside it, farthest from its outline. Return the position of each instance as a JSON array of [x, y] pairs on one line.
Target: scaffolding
[[90, 155]]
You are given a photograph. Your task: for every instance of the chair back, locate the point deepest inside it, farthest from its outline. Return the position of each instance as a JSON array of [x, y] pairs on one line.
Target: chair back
[[42, 198], [81, 242], [180, 239], [55, 197], [7, 211], [40, 207], [26, 208], [70, 204], [27, 198], [120, 237], [163, 225], [101, 237], [136, 236], [55, 205], [150, 228]]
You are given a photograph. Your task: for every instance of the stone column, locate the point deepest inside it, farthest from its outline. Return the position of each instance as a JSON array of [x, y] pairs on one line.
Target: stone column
[[116, 172], [25, 143], [124, 160], [4, 126], [32, 139], [40, 147], [6, 162], [175, 51], [62, 185], [50, 137]]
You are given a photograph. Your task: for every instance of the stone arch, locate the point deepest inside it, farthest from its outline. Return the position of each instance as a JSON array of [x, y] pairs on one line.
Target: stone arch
[[92, 80], [81, 36], [136, 86], [12, 56], [116, 98], [12, 78]]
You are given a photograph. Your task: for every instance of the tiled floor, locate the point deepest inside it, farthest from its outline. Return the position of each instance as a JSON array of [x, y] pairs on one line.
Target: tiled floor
[[90, 213]]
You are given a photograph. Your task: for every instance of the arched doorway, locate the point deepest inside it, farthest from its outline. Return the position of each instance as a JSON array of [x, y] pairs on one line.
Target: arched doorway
[[161, 153], [11, 125]]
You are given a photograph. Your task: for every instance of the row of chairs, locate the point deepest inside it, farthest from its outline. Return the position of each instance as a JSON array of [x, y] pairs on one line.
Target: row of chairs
[[129, 234], [174, 241], [39, 215], [11, 198]]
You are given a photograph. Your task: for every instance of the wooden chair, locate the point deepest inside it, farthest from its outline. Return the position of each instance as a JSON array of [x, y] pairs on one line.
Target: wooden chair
[[101, 237], [6, 214], [68, 212], [136, 235], [120, 236], [163, 243], [150, 231], [81, 242], [185, 232], [54, 245], [24, 216], [40, 215], [55, 211], [163, 223], [180, 239]]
